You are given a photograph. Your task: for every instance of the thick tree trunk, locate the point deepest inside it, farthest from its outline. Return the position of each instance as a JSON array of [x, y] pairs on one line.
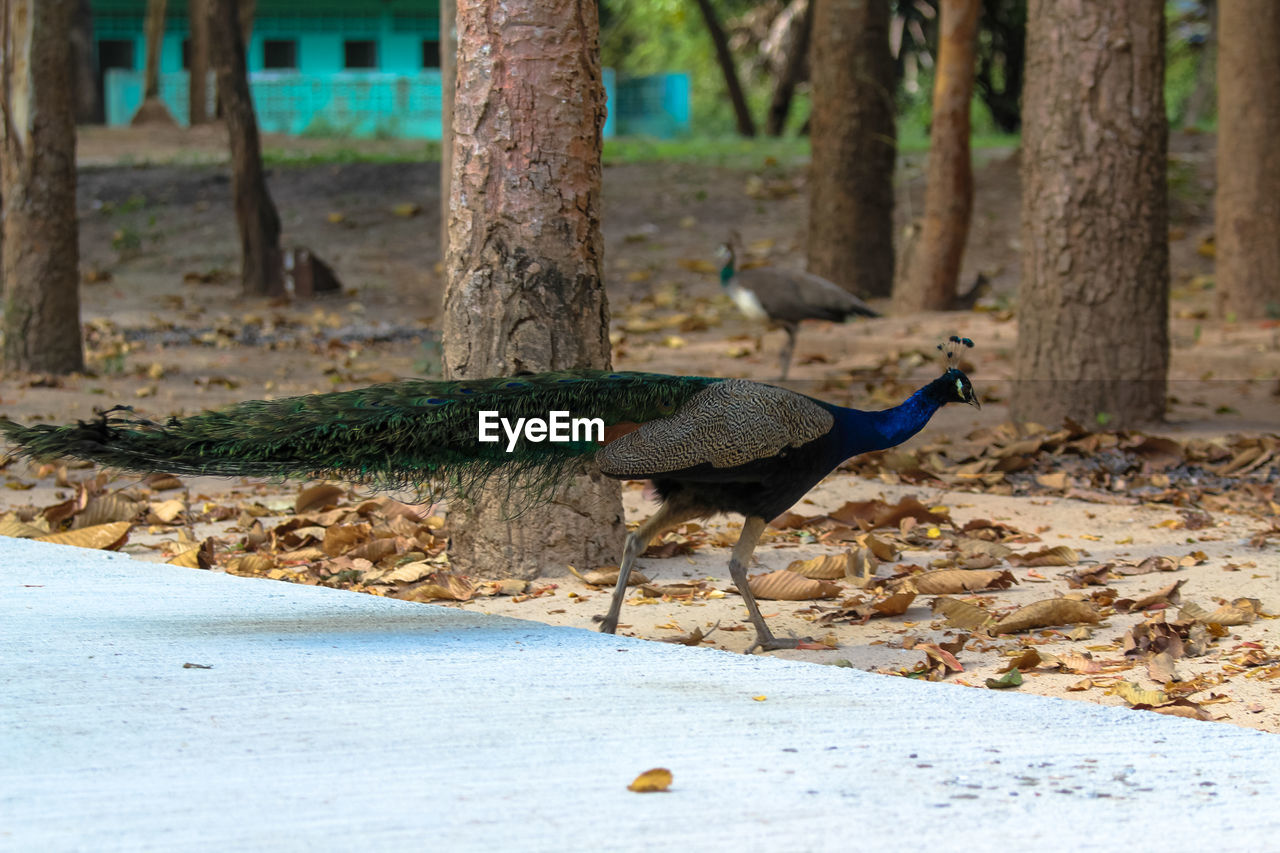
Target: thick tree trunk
[[255, 211], [741, 110], [1093, 339], [84, 76], [793, 69], [929, 282], [525, 291], [854, 146], [448, 81], [1247, 218], [153, 109], [198, 64], [39, 253]]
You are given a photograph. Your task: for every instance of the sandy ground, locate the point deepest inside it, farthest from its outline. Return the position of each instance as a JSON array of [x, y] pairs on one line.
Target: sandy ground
[[661, 223]]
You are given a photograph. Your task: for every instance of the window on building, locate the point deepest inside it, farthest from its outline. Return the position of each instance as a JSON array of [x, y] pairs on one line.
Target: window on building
[[115, 53], [360, 53], [430, 53], [280, 53]]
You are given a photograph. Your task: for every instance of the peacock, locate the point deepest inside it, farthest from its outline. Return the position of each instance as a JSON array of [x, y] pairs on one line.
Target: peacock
[[708, 445], [785, 297]]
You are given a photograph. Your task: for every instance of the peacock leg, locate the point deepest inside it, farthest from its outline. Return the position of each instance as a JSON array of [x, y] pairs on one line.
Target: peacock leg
[[788, 349], [663, 519], [765, 641]]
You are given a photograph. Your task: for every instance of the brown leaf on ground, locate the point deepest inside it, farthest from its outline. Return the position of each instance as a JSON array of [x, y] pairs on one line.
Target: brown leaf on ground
[[317, 497], [1026, 660], [341, 538], [955, 581], [505, 586], [1096, 576], [861, 571], [894, 605], [1181, 707], [439, 586], [1160, 668], [872, 514], [1060, 555], [667, 550], [608, 576], [1241, 611], [106, 509], [1135, 694], [961, 614], [1044, 614], [652, 781], [1153, 636], [102, 537], [827, 567], [884, 550], [784, 585], [1160, 598], [693, 638], [684, 590], [1143, 567], [994, 531]]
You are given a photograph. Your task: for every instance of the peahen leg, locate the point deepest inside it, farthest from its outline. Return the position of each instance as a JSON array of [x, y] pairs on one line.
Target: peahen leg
[[663, 519], [788, 349], [750, 536]]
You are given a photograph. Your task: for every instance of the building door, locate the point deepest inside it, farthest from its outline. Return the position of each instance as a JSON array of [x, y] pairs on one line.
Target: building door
[[112, 53]]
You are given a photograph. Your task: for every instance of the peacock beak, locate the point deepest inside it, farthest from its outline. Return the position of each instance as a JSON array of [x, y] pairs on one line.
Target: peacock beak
[[975, 402]]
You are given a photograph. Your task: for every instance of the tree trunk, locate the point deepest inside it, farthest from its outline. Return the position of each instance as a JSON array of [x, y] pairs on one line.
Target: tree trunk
[[741, 111], [84, 76], [198, 64], [929, 282], [1247, 218], [155, 35], [39, 254], [247, 9], [255, 211], [854, 146], [792, 71], [1093, 337], [448, 81], [153, 109], [525, 291]]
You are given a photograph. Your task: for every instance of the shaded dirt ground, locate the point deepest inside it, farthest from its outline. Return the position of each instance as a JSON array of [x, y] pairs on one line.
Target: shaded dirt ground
[[168, 333]]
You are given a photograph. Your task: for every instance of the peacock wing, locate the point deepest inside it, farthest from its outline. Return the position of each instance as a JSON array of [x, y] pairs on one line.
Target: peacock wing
[[728, 424]]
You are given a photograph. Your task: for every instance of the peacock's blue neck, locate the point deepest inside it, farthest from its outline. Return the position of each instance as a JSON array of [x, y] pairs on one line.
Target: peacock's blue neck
[[726, 273], [862, 432]]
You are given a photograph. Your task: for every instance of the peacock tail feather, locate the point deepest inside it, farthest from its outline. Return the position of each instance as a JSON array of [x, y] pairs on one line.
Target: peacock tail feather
[[416, 434]]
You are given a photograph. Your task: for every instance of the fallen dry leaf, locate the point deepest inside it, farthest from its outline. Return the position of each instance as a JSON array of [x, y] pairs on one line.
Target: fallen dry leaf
[[317, 497], [1043, 614], [784, 585], [652, 781], [609, 576], [961, 614], [954, 581], [103, 537], [1060, 555], [1161, 597], [827, 567]]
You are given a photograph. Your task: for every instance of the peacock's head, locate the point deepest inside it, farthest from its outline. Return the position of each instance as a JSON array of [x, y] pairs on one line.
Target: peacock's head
[[954, 386]]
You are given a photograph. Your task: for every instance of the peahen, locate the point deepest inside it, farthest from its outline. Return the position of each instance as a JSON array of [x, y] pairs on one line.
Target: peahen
[[708, 445], [785, 297]]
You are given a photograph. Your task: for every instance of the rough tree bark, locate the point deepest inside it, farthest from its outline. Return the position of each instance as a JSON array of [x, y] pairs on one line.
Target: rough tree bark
[[525, 291], [741, 111], [153, 109], [39, 254], [256, 214], [929, 282], [448, 80], [1093, 339], [792, 72], [198, 63], [854, 146], [1247, 203], [85, 76]]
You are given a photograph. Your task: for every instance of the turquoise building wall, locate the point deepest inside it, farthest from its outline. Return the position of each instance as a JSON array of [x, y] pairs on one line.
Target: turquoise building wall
[[398, 97]]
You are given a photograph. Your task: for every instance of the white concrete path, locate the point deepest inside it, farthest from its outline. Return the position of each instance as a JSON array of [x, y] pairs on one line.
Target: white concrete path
[[337, 721]]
